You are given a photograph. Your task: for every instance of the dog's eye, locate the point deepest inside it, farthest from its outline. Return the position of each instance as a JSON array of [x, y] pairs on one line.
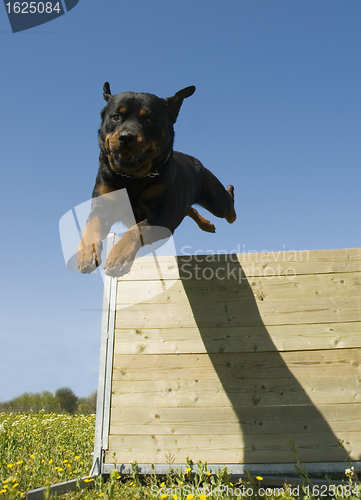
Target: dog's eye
[[115, 117], [149, 121]]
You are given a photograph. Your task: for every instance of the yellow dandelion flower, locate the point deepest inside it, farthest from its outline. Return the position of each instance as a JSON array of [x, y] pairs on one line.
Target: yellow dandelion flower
[[231, 484], [202, 497], [50, 461], [60, 469], [188, 469], [162, 484], [209, 473], [15, 485], [175, 497], [190, 497], [163, 496], [259, 478], [2, 491], [65, 461], [77, 457], [101, 495]]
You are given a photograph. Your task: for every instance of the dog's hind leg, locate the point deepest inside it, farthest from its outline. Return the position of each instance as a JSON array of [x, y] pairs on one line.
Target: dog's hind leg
[[231, 217], [203, 223], [215, 198]]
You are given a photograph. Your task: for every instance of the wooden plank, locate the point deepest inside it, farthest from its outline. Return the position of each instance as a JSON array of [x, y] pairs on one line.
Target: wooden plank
[[221, 271], [253, 264], [228, 366], [282, 420], [229, 448], [264, 392], [232, 314], [237, 339], [330, 286]]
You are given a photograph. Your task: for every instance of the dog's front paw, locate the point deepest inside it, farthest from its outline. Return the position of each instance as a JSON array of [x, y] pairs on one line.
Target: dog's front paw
[[120, 258], [89, 256]]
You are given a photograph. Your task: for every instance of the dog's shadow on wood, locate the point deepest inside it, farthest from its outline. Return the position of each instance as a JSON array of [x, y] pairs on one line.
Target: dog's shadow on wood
[[267, 390]]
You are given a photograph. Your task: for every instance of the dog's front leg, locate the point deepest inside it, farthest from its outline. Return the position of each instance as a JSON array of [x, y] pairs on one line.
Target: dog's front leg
[[90, 247], [102, 216]]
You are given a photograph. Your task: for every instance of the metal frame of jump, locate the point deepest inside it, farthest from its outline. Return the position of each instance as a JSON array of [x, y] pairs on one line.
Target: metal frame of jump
[[104, 405]]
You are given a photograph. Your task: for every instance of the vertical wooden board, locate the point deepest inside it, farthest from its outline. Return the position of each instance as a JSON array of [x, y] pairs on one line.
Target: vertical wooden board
[[301, 348]]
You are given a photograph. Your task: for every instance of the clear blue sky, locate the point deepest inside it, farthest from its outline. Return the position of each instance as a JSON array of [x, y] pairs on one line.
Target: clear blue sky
[[277, 113]]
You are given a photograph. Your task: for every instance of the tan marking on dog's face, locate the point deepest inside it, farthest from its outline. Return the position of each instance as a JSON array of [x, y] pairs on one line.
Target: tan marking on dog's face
[[143, 112], [111, 163], [122, 109], [112, 141]]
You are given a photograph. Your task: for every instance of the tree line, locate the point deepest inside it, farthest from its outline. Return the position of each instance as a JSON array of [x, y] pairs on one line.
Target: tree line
[[63, 401]]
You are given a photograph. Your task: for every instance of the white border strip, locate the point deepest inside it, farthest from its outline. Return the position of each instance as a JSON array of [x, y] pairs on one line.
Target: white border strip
[[102, 421]]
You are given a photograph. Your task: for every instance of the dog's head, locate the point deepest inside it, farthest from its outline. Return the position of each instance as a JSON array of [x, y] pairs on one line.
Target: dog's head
[[136, 133]]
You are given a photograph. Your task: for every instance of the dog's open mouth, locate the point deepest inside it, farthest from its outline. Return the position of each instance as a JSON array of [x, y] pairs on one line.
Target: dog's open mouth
[[128, 159]]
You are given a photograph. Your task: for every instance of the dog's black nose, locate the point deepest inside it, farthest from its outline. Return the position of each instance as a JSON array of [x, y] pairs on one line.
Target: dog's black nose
[[127, 138]]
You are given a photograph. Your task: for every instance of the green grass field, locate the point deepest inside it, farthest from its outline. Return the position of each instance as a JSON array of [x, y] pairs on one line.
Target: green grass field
[[40, 449]]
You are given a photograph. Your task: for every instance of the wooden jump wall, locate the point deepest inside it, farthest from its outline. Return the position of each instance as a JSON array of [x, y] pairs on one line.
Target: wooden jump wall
[[226, 358]]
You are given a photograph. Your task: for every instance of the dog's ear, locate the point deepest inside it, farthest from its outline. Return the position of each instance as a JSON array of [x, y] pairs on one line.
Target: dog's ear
[[174, 103], [106, 91]]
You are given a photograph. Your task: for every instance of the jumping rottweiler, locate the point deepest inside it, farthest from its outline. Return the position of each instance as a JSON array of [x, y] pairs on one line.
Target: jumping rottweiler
[[136, 152]]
